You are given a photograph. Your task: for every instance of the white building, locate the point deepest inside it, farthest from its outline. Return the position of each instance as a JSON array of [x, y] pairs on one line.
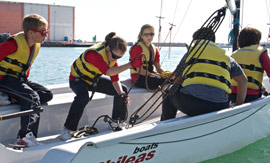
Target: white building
[[61, 19]]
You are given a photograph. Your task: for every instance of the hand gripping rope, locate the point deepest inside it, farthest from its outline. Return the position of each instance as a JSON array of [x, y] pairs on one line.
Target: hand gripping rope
[[213, 22], [90, 130]]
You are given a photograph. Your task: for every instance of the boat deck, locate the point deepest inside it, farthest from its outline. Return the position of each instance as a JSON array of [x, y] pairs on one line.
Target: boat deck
[[55, 112]]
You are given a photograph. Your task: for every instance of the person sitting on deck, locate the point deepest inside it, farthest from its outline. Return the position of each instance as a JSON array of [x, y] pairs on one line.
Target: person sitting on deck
[[151, 60], [86, 75], [205, 79], [254, 60], [17, 55]]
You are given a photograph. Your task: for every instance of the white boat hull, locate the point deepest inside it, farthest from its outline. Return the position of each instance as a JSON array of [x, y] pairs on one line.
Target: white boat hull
[[183, 139]]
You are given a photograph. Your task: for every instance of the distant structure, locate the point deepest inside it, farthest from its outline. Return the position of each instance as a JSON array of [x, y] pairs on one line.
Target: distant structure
[[61, 19]]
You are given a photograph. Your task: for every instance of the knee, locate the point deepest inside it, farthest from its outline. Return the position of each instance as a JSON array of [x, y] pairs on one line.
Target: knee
[[82, 99], [49, 96], [46, 97]]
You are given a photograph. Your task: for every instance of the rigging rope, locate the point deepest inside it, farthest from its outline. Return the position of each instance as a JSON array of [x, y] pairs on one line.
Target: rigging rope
[[90, 130], [159, 31], [212, 23], [172, 25], [179, 26], [170, 33], [267, 7]]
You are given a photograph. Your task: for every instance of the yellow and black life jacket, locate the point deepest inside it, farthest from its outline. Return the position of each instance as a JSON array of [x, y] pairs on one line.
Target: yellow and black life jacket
[[211, 68], [149, 58], [87, 71], [249, 59], [18, 63]]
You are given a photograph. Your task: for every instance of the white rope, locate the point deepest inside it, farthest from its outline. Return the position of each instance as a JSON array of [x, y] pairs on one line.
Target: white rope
[[179, 26]]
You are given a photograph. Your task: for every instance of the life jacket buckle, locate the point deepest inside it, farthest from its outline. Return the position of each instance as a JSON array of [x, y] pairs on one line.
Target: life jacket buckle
[[222, 79], [8, 60], [252, 67]]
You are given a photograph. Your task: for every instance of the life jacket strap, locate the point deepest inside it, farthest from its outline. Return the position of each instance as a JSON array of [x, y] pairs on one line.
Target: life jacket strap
[[221, 64], [252, 80], [208, 75], [252, 67], [21, 75], [85, 77]]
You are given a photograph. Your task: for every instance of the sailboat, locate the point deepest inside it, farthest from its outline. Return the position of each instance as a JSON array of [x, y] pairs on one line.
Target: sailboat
[[183, 139]]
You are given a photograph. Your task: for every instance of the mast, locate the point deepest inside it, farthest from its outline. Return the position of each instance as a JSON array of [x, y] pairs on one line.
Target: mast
[[159, 17], [236, 20]]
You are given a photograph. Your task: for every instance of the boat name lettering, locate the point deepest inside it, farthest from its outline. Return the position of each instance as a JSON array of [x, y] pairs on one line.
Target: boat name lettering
[[145, 148], [134, 159]]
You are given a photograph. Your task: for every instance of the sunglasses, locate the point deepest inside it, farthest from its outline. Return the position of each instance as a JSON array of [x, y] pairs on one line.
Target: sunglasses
[[43, 33], [148, 34], [115, 56]]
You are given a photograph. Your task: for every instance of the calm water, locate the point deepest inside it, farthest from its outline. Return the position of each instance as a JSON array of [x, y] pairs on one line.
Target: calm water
[[52, 66]]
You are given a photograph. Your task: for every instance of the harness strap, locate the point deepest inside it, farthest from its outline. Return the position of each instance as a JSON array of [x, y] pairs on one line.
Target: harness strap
[[208, 75], [82, 75], [21, 75], [84, 66], [15, 62], [96, 78]]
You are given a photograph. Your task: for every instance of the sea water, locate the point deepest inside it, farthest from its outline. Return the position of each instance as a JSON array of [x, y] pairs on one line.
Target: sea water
[[52, 66]]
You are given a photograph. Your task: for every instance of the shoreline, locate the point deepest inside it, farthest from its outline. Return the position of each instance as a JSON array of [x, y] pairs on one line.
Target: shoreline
[[88, 44]]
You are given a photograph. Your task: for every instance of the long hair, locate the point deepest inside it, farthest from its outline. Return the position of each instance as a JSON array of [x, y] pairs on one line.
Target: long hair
[[142, 29]]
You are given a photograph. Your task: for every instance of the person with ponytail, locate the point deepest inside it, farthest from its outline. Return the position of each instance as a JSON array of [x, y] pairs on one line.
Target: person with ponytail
[[151, 60], [86, 75]]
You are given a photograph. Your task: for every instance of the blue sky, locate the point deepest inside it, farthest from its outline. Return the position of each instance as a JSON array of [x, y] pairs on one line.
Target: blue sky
[[125, 17]]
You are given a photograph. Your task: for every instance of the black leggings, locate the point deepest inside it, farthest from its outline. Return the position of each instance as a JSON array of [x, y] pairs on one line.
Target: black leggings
[[248, 98], [30, 90], [81, 89], [153, 82], [189, 105]]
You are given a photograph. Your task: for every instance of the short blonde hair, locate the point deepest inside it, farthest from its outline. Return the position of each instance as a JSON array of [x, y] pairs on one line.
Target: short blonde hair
[[33, 21]]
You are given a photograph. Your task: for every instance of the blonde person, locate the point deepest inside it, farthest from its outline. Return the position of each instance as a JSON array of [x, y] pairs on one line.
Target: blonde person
[[17, 55], [151, 60], [86, 75]]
